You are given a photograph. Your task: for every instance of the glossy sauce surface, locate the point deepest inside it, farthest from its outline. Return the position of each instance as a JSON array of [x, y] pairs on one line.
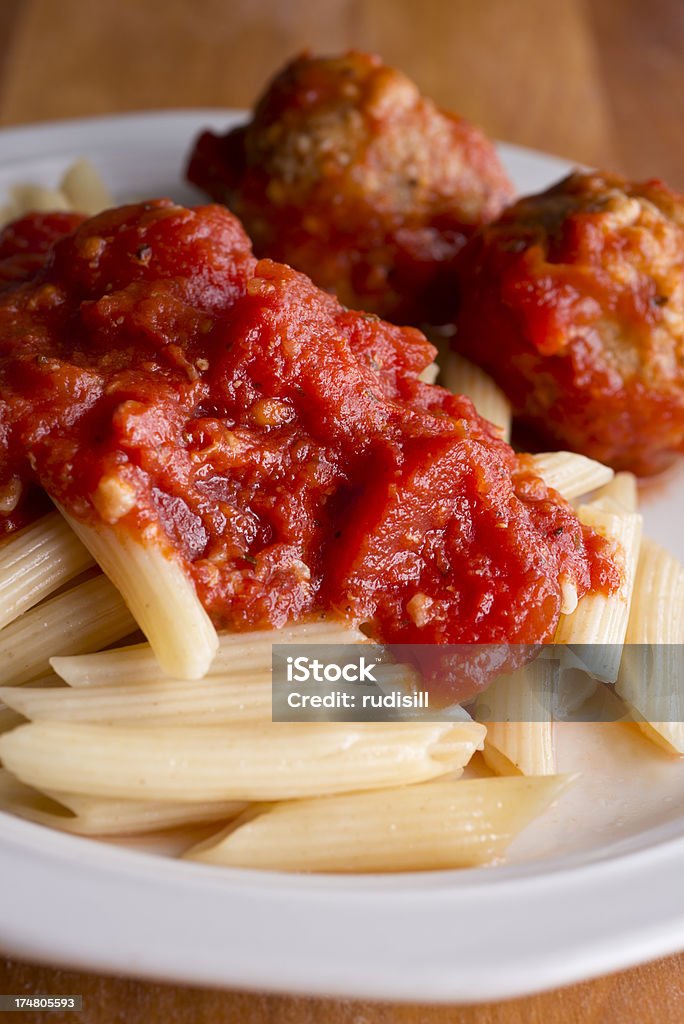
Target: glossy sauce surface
[[157, 378]]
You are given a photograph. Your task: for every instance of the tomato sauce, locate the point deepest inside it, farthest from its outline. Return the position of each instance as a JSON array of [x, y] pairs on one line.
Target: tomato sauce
[[157, 378], [26, 242]]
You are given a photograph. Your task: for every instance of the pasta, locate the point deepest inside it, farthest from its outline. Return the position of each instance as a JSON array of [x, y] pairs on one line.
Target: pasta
[[517, 712], [573, 688], [84, 189], [651, 677], [620, 494], [86, 816], [465, 378], [430, 374], [234, 762], [570, 474], [219, 699], [81, 190], [215, 701], [85, 618], [159, 595], [36, 561], [595, 632], [25, 198], [416, 828], [249, 653]]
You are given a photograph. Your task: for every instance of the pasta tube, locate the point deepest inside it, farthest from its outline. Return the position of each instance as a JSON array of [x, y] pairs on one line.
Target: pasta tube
[[84, 189], [36, 198], [85, 618], [516, 709], [430, 374], [247, 653], [574, 687], [464, 378], [651, 677], [595, 631], [161, 598], [620, 495], [214, 700], [86, 816], [443, 824], [36, 561], [81, 189], [571, 474], [235, 762]]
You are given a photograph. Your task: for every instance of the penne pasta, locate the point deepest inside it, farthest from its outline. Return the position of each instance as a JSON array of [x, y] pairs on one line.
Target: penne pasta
[[159, 594], [36, 561], [85, 618], [86, 816], [84, 189], [516, 709], [443, 824], [573, 688], [249, 652], [36, 198], [464, 378], [620, 495], [81, 189], [430, 374], [651, 677], [234, 762], [215, 700], [595, 632], [570, 474]]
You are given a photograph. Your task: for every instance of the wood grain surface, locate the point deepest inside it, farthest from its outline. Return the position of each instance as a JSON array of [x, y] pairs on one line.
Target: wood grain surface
[[600, 81], [653, 994]]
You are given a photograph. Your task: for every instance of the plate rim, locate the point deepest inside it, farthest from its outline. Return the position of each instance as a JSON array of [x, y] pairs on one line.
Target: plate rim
[[492, 966]]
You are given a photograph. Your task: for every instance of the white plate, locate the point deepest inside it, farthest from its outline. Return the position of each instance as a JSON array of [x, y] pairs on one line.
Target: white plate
[[593, 886]]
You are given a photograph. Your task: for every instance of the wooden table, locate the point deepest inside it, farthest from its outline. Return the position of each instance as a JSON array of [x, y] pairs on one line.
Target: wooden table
[[600, 82], [650, 995]]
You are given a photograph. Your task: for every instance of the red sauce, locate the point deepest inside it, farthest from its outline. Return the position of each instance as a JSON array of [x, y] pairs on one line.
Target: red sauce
[[281, 446], [26, 242]]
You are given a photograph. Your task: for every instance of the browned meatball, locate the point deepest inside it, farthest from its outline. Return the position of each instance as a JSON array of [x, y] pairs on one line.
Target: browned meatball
[[347, 173], [574, 302]]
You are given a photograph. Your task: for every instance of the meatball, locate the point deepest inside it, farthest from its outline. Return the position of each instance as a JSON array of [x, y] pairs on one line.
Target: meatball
[[347, 173], [573, 300]]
